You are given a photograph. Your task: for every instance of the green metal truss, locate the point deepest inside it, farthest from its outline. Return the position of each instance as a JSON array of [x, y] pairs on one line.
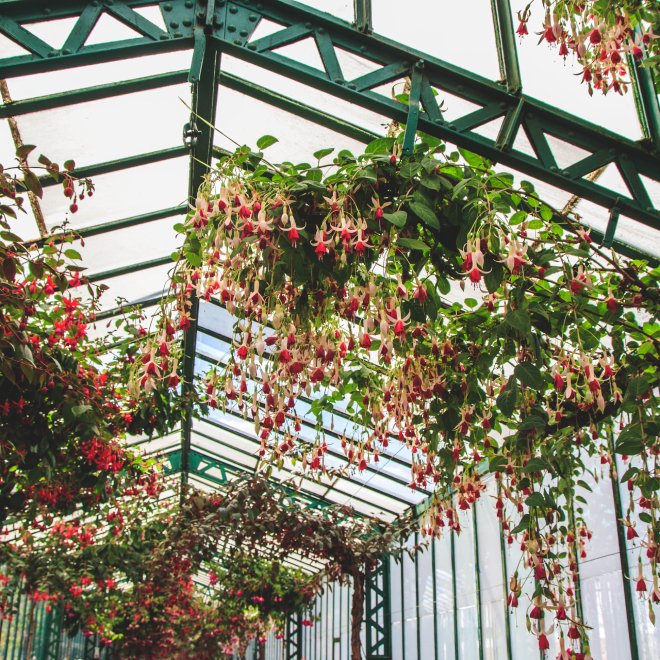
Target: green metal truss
[[228, 26], [378, 611]]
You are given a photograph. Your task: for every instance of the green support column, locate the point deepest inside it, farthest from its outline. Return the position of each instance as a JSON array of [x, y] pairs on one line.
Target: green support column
[[505, 585], [453, 588], [477, 582], [205, 78], [627, 584]]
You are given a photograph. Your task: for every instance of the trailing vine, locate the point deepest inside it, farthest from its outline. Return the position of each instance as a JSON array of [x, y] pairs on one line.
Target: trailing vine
[[434, 303]]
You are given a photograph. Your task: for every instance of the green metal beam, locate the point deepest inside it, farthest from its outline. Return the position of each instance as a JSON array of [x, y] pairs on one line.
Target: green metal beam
[[126, 307], [109, 90], [120, 164], [130, 269], [362, 13], [536, 118], [297, 108]]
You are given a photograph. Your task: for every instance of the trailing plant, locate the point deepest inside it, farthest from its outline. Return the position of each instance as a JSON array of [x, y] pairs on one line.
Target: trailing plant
[[607, 38], [433, 302], [64, 403]]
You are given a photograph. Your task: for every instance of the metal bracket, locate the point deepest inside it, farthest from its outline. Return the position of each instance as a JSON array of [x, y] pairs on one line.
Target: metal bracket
[[190, 134], [608, 239]]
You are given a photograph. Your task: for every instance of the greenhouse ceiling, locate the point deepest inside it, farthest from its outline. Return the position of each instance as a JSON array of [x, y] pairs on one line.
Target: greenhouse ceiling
[[131, 89]]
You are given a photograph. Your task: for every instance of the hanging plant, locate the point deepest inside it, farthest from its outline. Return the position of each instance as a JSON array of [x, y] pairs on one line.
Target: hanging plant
[[64, 403], [607, 38], [435, 303]]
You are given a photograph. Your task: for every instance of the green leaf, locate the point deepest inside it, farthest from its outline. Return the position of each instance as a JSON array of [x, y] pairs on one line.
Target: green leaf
[[535, 499], [522, 525], [397, 218], [536, 464], [507, 400], [425, 214], [32, 183], [497, 463], [636, 387], [529, 374], [519, 320], [517, 218], [194, 259], [266, 141], [381, 145], [322, 153], [73, 254], [413, 244], [431, 182], [629, 441], [69, 165], [24, 150]]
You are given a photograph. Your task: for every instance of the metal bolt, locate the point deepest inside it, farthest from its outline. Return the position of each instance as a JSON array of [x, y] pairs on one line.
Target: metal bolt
[[66, 51], [339, 81], [188, 4], [174, 24], [244, 33], [253, 18], [162, 37], [178, 35], [238, 42], [233, 10], [231, 28], [167, 7], [187, 22], [251, 47], [351, 86], [320, 30], [53, 53], [308, 26]]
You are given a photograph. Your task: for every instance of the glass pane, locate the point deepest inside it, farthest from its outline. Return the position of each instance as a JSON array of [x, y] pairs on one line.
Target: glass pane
[[466, 592], [445, 597], [110, 129], [396, 620], [426, 597], [547, 77], [443, 30], [491, 576], [409, 603]]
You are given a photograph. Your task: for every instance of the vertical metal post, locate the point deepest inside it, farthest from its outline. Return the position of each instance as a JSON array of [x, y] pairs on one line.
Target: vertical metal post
[[505, 585], [646, 100], [363, 19], [205, 79], [454, 597], [623, 555], [477, 583], [378, 611], [507, 51], [435, 601], [403, 606], [417, 608], [416, 82]]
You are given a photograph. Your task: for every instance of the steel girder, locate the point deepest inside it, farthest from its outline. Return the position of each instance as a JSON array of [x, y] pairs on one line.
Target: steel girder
[[229, 26]]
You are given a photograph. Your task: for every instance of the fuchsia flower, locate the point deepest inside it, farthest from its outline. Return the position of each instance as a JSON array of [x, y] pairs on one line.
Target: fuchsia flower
[[473, 261]]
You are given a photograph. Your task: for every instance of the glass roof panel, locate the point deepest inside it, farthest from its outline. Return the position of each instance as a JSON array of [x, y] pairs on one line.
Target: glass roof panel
[[131, 245], [62, 80], [308, 95], [123, 194], [461, 33], [547, 77], [131, 288], [298, 138], [338, 8], [112, 128]]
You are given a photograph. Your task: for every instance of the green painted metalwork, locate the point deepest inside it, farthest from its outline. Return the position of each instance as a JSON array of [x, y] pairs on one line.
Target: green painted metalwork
[[205, 76], [454, 594], [477, 584], [378, 611], [627, 584], [231, 26], [403, 601], [294, 637], [506, 45], [130, 268], [122, 309], [122, 164], [362, 13], [63, 99], [416, 83], [435, 600], [505, 585]]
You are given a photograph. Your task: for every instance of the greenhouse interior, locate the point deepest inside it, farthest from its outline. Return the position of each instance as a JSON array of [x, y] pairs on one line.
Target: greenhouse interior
[[329, 329]]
